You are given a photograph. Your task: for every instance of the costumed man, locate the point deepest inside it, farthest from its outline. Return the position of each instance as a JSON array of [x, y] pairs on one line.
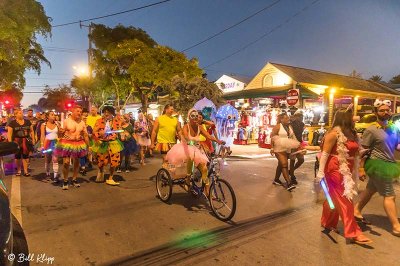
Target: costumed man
[[90, 122], [107, 145], [72, 145], [382, 139], [166, 130]]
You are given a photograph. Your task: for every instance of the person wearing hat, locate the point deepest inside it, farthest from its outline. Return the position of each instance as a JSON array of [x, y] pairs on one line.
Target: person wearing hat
[[107, 145]]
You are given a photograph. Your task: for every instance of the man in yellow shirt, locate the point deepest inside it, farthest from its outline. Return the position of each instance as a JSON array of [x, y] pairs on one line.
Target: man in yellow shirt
[[91, 121], [165, 129], [93, 117]]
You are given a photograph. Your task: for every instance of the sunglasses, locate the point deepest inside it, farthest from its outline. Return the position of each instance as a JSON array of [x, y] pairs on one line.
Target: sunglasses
[[194, 115]]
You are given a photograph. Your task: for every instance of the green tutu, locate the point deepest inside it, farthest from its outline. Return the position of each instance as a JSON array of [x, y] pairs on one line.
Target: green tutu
[[382, 169], [113, 146]]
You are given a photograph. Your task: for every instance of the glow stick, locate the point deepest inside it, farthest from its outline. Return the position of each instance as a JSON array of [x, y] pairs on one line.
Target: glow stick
[[46, 151], [115, 131], [62, 120], [326, 192]]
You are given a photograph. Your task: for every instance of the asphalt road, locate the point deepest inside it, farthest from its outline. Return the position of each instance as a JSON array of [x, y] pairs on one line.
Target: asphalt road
[[97, 224]]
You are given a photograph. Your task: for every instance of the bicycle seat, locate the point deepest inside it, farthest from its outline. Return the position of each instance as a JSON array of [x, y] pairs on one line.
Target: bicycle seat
[[7, 148]]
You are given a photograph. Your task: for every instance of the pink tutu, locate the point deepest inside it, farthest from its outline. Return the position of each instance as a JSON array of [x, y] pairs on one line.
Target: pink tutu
[[285, 144], [180, 153]]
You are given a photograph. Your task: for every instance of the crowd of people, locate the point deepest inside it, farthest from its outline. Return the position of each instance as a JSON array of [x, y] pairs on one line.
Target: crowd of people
[[111, 141], [344, 158]]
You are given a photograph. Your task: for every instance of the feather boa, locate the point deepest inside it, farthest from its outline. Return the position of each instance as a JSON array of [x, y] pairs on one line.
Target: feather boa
[[343, 155]]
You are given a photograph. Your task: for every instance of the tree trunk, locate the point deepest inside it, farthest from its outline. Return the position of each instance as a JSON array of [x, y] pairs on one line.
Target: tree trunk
[[117, 90], [145, 99]]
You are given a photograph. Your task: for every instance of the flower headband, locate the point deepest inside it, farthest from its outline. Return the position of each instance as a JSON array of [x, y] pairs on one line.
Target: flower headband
[[378, 103]]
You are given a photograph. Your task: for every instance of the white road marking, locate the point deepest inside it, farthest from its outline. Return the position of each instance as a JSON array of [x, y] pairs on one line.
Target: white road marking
[[15, 198]]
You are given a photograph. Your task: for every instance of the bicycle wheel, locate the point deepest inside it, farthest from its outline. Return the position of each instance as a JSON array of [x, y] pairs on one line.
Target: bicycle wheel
[[164, 184], [222, 200]]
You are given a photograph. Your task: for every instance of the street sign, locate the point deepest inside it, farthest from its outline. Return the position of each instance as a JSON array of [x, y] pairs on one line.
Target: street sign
[[292, 97]]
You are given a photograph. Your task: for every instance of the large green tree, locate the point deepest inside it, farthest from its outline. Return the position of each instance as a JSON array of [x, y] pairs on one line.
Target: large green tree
[[187, 92], [151, 69], [56, 98], [110, 80], [20, 23]]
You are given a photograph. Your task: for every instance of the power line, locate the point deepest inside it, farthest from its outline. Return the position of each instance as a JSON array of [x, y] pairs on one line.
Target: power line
[[63, 48], [110, 15], [47, 78], [232, 26], [264, 35]]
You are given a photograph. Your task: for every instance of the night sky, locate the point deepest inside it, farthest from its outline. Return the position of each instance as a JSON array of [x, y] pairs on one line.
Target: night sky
[[330, 35]]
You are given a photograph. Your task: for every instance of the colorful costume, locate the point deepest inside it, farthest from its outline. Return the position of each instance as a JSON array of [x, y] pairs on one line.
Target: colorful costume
[[49, 145], [21, 136], [107, 145], [381, 166], [143, 133], [338, 176], [74, 147], [184, 152], [166, 136]]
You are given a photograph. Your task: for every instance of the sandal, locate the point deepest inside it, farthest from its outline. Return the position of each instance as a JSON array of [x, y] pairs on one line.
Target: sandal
[[329, 229], [27, 174], [362, 220], [18, 174], [396, 233], [361, 240]]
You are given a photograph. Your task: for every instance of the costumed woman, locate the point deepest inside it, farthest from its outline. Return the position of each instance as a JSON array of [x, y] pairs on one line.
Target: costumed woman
[[107, 145], [20, 131], [283, 140], [209, 126], [48, 141], [339, 153], [188, 151], [128, 139], [143, 135]]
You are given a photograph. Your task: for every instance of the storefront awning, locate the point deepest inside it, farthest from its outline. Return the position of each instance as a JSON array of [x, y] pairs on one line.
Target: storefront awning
[[267, 92]]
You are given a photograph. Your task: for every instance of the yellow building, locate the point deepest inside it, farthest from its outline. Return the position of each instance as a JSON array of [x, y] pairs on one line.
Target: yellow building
[[315, 88]]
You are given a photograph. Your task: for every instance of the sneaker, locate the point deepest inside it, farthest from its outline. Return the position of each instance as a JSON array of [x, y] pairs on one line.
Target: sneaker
[[294, 181], [56, 180], [65, 185], [119, 170], [75, 183], [225, 163], [277, 182], [111, 182], [290, 187], [127, 171]]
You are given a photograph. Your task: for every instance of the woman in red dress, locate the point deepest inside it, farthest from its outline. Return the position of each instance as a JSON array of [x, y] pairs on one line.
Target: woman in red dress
[[339, 152]]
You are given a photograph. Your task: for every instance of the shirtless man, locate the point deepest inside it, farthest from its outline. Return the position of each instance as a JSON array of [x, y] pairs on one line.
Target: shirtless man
[[73, 144]]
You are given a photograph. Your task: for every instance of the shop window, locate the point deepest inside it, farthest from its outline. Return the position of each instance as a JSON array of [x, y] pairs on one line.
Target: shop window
[[268, 81]]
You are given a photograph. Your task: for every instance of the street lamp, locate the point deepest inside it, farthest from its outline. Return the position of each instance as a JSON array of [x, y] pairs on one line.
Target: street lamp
[[81, 70]]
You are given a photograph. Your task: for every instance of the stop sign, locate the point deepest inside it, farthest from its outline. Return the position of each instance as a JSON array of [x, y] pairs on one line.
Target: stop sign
[[292, 97]]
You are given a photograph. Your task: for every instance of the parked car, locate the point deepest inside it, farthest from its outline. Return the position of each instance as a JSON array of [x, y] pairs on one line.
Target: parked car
[[9, 242]]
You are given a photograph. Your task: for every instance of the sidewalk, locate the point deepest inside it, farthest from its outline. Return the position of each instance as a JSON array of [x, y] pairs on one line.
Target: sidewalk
[[252, 151]]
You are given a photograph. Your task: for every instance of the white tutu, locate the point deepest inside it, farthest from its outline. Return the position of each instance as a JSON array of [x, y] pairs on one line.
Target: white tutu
[[180, 153], [143, 141], [284, 144]]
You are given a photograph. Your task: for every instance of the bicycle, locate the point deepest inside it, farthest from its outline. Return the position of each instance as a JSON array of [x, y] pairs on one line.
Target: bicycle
[[222, 198]]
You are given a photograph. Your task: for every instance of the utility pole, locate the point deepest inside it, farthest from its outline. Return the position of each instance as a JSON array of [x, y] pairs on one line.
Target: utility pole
[[90, 57]]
